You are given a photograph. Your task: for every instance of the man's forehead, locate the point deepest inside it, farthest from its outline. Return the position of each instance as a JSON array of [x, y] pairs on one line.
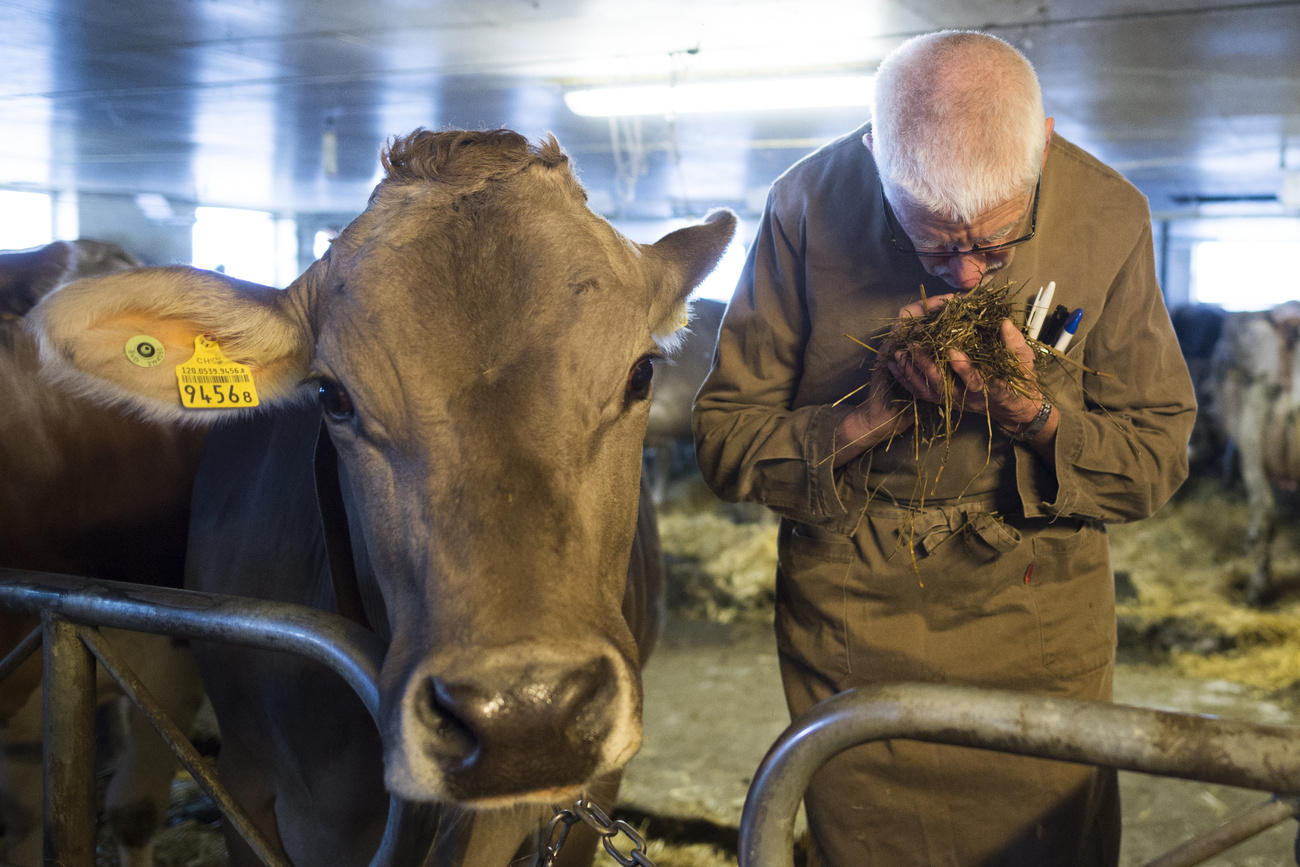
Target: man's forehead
[[993, 223]]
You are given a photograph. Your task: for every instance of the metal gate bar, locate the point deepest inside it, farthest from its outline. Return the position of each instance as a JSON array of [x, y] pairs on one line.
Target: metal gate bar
[[1189, 746], [352, 652], [1230, 833], [180, 746], [67, 745], [21, 651]]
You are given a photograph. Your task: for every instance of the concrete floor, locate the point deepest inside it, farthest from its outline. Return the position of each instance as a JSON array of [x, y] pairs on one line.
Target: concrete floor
[[714, 705]]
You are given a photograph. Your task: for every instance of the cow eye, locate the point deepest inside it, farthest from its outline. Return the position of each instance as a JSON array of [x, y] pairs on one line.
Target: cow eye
[[334, 400], [638, 381]]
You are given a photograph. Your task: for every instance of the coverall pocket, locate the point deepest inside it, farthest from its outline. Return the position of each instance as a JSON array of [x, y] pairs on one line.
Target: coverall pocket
[[813, 566], [1073, 595], [818, 544]]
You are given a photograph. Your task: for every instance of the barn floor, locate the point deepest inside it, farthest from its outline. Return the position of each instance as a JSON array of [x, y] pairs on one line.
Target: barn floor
[[713, 699], [714, 704], [1188, 643]]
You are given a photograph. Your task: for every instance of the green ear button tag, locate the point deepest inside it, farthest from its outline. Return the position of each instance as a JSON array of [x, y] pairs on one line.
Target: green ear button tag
[[145, 351], [209, 380]]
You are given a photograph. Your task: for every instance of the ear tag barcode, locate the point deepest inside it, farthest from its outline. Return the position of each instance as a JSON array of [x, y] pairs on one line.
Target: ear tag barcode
[[209, 380]]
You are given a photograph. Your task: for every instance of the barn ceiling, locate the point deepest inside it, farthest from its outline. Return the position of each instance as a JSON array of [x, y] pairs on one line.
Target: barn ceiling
[[283, 104]]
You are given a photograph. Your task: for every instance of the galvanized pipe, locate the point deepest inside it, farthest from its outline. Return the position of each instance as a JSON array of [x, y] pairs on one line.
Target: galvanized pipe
[[345, 647], [351, 651], [181, 747], [67, 747], [1201, 848], [1190, 746], [21, 651]]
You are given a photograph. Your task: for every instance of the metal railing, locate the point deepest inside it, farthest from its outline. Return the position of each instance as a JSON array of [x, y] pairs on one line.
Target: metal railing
[[71, 607], [1189, 746]]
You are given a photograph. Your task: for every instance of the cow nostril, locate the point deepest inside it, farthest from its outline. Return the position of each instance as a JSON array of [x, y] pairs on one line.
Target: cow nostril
[[584, 698], [509, 729], [449, 736]]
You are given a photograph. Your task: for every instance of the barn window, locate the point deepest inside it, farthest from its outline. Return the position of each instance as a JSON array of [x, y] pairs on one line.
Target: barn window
[[1241, 268], [250, 245], [321, 241], [26, 219], [722, 282]]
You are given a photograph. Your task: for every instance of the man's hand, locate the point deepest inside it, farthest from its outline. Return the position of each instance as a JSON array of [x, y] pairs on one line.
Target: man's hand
[[971, 390], [877, 419]]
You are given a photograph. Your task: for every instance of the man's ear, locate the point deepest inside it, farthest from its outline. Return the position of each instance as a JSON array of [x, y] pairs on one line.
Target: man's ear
[[1047, 143], [118, 339]]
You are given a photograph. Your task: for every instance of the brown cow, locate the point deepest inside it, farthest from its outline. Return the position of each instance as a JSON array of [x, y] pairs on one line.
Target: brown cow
[[480, 345], [1255, 401], [87, 491]]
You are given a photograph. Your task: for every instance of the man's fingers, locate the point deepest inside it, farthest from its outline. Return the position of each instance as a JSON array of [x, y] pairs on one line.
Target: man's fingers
[[1015, 341], [918, 374], [965, 370], [922, 306]]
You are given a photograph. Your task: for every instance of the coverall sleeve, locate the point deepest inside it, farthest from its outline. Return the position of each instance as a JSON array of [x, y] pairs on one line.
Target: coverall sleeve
[[750, 443], [1124, 452]]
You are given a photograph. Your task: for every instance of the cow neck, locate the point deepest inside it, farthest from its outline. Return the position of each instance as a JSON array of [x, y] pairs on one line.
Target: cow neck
[[334, 528]]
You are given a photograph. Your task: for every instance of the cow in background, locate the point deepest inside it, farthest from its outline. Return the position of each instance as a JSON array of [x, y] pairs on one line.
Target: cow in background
[[676, 382], [1255, 402], [1198, 328], [86, 491]]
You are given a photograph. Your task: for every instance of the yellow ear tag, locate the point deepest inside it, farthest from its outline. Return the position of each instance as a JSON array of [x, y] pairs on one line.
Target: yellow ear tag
[[209, 380]]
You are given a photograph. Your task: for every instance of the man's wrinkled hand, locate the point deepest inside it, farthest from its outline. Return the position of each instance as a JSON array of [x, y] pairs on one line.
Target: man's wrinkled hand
[[968, 388]]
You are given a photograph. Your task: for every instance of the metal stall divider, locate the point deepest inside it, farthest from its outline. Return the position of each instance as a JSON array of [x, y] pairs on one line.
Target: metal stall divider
[[1163, 743], [70, 608]]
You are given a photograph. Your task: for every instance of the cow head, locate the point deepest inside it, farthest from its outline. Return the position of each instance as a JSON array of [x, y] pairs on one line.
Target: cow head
[[481, 345]]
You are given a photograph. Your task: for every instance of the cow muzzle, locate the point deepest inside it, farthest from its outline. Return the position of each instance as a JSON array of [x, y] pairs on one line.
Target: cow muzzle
[[489, 734]]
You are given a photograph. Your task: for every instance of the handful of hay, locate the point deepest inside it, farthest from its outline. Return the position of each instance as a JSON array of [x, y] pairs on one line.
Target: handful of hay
[[970, 323]]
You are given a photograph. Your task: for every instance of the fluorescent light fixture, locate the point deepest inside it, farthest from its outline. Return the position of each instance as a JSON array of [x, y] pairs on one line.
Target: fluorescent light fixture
[[750, 94]]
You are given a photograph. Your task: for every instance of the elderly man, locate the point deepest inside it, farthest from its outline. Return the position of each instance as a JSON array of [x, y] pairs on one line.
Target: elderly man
[[981, 559]]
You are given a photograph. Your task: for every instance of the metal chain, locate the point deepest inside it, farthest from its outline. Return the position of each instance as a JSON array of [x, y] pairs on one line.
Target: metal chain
[[589, 814]]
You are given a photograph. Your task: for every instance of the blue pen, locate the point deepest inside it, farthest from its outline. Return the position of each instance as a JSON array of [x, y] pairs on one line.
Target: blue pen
[[1067, 333]]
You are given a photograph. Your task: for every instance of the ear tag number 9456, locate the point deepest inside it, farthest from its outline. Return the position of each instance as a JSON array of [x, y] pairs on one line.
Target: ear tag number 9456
[[209, 380]]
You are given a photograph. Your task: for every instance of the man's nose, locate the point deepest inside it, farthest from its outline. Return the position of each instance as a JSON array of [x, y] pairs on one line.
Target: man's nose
[[964, 271]]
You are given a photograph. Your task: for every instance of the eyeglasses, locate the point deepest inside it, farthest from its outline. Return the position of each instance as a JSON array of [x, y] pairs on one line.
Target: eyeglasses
[[975, 250]]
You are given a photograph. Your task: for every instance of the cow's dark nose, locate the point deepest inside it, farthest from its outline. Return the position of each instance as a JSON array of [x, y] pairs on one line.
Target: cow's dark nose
[[499, 734]]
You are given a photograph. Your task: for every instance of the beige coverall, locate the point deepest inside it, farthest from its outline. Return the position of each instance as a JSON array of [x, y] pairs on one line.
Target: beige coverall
[[852, 606]]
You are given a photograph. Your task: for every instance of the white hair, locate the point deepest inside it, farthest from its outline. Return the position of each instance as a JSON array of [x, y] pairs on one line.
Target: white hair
[[958, 125]]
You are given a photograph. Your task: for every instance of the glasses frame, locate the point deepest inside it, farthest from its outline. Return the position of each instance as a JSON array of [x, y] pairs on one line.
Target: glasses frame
[[891, 219]]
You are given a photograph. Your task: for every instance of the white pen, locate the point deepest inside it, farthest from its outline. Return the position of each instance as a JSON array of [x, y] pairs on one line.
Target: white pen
[[1033, 310], [1032, 325], [1039, 313]]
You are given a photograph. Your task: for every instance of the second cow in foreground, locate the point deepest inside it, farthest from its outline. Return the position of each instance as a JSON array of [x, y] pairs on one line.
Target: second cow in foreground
[[480, 346]]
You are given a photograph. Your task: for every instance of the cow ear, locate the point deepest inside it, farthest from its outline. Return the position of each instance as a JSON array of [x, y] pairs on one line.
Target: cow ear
[[685, 257], [119, 339]]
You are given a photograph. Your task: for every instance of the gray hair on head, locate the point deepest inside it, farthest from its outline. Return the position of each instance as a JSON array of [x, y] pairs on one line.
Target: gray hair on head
[[958, 125]]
